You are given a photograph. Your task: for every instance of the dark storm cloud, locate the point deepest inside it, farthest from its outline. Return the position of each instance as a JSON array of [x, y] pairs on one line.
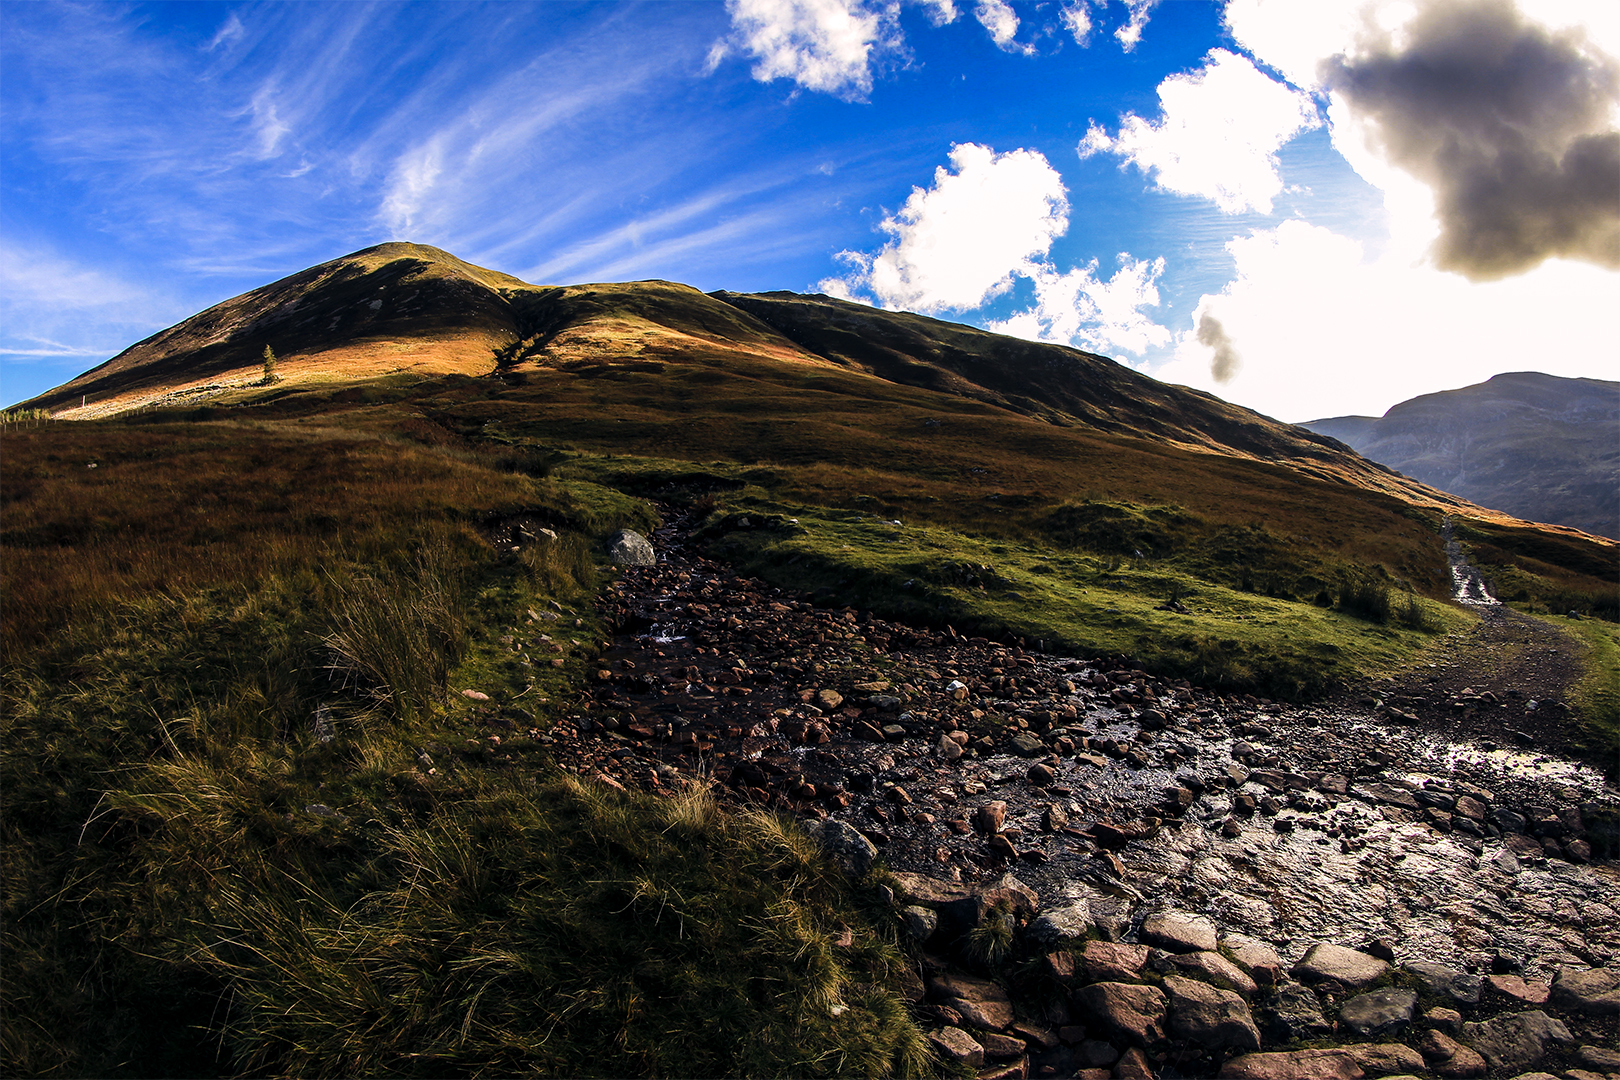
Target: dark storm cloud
[[1213, 334], [1509, 123]]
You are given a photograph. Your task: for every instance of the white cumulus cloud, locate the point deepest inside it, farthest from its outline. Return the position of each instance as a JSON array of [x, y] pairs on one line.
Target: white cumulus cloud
[[1130, 34], [998, 17], [822, 45], [1217, 136], [1078, 308], [1076, 19], [958, 243]]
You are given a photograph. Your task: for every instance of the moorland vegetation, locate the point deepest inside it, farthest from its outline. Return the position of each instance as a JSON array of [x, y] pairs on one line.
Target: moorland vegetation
[[252, 823]]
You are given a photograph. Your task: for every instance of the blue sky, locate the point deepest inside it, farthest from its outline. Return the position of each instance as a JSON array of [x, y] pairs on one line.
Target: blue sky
[[1299, 207]]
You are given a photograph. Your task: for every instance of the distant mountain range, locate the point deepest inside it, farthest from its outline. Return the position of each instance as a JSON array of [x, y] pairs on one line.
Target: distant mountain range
[[1535, 446]]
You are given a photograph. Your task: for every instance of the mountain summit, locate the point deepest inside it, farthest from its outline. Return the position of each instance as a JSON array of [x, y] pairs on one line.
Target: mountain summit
[[402, 309]]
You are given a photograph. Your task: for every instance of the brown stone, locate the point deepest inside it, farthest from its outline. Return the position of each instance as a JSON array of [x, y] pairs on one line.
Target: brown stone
[[1335, 963], [981, 1003], [1448, 1057], [956, 1045], [829, 699], [1179, 932], [1013, 1070], [1213, 968], [1294, 1065], [1113, 961], [1060, 965], [1127, 1011], [1595, 992], [1387, 1059], [1133, 1065], [1528, 991], [1209, 1017], [1001, 1047], [990, 817], [1257, 959]]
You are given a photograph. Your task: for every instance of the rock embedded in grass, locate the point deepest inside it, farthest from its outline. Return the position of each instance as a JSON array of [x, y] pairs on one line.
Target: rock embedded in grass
[[629, 548]]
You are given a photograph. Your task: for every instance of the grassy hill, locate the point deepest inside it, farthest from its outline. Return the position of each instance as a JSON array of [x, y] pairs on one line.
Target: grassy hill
[[251, 823]]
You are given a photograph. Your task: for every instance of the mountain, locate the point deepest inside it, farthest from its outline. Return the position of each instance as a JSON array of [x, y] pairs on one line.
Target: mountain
[[836, 404], [1536, 446], [410, 309]]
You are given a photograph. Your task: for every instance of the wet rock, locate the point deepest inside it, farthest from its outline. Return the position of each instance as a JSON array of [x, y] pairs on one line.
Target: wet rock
[[1382, 1012], [1460, 986], [981, 1003], [1387, 1059], [1041, 775], [1335, 963], [1026, 745], [1126, 1012], [1257, 960], [1054, 818], [1294, 1065], [1294, 1013], [1515, 1041], [1113, 961], [955, 1045], [948, 748], [844, 844], [1179, 932], [990, 817], [1448, 1057], [1212, 968], [627, 548], [1208, 1016], [1061, 925], [1595, 992]]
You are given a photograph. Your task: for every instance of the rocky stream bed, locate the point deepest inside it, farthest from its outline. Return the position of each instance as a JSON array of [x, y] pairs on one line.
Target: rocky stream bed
[[1109, 874]]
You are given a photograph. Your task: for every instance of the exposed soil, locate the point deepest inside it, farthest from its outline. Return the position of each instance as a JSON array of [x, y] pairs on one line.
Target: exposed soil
[[1507, 679]]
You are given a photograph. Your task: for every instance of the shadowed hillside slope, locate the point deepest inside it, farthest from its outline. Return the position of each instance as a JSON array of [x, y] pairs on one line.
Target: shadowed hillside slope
[[1536, 446], [920, 418]]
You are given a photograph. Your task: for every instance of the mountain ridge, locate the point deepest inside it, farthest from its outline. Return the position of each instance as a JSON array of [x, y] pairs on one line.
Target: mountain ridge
[[1540, 447], [411, 309]]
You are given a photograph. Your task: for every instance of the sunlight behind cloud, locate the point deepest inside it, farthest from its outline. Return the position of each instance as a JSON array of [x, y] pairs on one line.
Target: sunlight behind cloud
[[1324, 331], [1217, 136]]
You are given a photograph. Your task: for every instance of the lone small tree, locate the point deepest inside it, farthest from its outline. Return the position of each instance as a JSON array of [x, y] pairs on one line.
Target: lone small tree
[[270, 375]]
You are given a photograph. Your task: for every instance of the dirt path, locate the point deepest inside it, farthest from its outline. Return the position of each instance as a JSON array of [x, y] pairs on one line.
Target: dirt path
[[1507, 678]]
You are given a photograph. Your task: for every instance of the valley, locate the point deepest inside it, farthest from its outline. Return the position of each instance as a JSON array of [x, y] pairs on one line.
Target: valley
[[338, 738]]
